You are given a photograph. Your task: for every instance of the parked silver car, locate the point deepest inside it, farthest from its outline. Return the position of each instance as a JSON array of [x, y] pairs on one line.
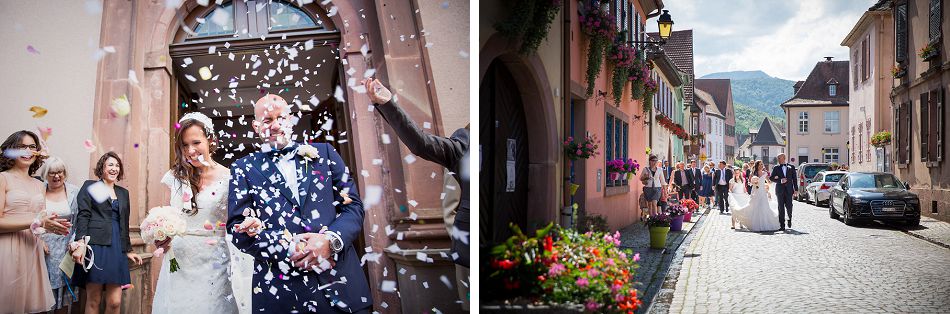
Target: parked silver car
[[806, 172], [819, 190]]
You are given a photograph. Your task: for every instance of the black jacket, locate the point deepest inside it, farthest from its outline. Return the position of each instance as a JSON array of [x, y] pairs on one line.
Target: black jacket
[[95, 219], [678, 179], [717, 173], [445, 151]]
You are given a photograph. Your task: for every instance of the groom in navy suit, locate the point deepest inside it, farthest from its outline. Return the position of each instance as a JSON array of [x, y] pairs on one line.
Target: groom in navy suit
[[295, 209], [786, 185]]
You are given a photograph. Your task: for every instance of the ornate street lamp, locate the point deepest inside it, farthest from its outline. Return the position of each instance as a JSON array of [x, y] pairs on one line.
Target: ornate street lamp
[[665, 24]]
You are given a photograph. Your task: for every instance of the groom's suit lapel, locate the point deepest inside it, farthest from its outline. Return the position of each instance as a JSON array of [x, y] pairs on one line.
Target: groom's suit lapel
[[305, 177], [273, 172]]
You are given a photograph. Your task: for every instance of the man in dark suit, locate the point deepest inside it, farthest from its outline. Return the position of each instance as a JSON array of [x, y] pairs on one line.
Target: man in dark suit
[[697, 180], [683, 180], [667, 170], [721, 178], [786, 185]]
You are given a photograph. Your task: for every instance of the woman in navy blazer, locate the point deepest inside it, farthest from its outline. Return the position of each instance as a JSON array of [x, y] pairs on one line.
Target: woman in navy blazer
[[104, 217]]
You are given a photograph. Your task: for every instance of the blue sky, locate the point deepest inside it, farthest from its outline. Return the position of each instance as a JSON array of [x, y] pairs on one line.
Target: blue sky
[[784, 38]]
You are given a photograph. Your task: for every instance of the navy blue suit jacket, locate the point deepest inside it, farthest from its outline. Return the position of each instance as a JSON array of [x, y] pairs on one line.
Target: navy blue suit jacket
[[278, 287], [791, 185]]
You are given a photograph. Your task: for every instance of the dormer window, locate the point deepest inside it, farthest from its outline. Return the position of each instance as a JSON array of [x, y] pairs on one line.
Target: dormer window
[[832, 90]]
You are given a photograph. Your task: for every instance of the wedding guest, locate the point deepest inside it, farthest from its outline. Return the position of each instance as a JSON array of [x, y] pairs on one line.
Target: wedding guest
[[706, 188], [61, 201], [23, 276], [104, 217], [697, 180], [654, 183], [681, 181], [448, 152]]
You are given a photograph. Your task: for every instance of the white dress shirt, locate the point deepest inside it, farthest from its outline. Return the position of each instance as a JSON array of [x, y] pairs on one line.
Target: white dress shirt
[[288, 168], [722, 176]]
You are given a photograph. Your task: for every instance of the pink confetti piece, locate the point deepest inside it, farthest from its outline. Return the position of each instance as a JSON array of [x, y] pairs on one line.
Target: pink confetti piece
[[30, 49]]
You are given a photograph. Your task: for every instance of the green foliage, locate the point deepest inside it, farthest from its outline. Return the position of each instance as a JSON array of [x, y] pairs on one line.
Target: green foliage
[[530, 20], [748, 117]]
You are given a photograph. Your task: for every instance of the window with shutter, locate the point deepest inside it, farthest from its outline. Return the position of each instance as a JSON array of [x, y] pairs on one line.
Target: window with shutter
[[865, 59], [935, 20], [936, 125], [854, 71], [898, 134], [924, 127], [908, 113], [900, 32]]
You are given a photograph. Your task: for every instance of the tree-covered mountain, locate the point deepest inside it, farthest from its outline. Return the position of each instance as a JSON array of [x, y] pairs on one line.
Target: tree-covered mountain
[[758, 94]]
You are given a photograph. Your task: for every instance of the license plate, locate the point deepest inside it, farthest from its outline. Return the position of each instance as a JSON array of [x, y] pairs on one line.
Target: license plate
[[891, 209]]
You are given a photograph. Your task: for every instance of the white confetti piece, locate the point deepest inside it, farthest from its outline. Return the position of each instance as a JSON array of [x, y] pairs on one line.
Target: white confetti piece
[[369, 73], [388, 286], [463, 54], [385, 138], [205, 73], [109, 49], [426, 125], [410, 159], [99, 191], [445, 280], [132, 77], [191, 78], [338, 94], [364, 50], [374, 194], [413, 203], [212, 49], [421, 256]]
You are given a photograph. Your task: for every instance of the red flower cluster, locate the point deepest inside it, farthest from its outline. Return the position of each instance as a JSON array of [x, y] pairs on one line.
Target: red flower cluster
[[673, 127]]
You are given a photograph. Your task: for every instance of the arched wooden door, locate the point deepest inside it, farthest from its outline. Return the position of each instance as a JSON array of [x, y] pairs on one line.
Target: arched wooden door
[[503, 191]]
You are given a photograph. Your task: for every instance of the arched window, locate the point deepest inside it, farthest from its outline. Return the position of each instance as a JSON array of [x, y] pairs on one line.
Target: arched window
[[285, 16], [219, 21]]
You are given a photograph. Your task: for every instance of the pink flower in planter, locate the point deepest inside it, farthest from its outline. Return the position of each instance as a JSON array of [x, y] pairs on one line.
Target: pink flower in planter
[[592, 305], [593, 273], [556, 269], [582, 282], [636, 257]]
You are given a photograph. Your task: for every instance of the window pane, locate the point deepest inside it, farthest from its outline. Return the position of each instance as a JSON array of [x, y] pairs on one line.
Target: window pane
[[285, 16], [219, 22], [831, 122]]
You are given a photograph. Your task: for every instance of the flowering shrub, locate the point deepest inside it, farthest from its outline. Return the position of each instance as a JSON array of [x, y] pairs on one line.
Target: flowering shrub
[[658, 220], [881, 139], [631, 166], [690, 205], [676, 210], [581, 150], [616, 165], [599, 24], [563, 266]]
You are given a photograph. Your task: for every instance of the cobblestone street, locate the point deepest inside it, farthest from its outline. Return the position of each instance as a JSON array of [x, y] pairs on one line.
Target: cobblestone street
[[820, 265]]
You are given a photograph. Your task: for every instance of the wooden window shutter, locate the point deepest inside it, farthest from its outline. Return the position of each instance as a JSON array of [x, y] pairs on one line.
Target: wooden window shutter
[[865, 58], [900, 32], [935, 19], [898, 134], [907, 107], [937, 98], [924, 126]]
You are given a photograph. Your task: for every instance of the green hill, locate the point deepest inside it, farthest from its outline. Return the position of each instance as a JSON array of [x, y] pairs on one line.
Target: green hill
[[758, 94]]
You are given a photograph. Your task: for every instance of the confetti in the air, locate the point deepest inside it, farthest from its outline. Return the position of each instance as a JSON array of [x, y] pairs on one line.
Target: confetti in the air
[[38, 112], [30, 49], [99, 191], [89, 146], [121, 106], [205, 73]]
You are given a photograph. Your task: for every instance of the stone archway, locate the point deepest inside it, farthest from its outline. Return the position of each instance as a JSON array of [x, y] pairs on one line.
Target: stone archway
[[542, 128], [140, 32]]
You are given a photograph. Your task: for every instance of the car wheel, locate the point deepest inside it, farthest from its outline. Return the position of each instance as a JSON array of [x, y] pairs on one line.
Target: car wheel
[[913, 222], [831, 211], [847, 213]]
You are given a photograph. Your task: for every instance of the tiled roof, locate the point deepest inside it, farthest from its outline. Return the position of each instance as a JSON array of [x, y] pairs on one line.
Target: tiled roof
[[679, 47], [814, 91], [721, 92], [769, 134], [703, 98]]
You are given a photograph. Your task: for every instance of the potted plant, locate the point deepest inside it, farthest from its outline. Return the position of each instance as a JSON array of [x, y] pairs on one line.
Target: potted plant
[[930, 51], [615, 168], [563, 269], [630, 167], [600, 26], [676, 213], [881, 139], [581, 150], [659, 227], [691, 206]]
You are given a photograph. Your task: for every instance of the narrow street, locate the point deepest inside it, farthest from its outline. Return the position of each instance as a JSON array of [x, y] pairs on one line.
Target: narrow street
[[820, 265]]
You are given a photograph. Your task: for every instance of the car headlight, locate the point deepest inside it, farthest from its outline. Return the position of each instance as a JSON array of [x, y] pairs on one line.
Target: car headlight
[[858, 201]]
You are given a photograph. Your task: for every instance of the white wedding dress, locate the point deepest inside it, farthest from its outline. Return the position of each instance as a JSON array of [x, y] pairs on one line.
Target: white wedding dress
[[754, 212], [214, 277]]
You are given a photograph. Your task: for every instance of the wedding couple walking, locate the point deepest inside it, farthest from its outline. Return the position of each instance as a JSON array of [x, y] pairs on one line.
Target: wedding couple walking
[[755, 211], [291, 211]]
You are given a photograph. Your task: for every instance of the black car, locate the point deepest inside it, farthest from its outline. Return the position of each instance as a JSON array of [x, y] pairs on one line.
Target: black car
[[873, 196]]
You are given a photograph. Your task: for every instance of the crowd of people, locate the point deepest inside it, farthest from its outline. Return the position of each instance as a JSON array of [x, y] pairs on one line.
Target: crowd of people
[[56, 237], [707, 183]]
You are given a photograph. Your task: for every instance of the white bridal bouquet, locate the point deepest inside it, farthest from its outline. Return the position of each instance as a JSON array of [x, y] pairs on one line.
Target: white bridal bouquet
[[162, 223]]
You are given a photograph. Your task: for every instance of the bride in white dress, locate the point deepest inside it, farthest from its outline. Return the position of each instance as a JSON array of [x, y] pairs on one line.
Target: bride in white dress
[[754, 212], [213, 277]]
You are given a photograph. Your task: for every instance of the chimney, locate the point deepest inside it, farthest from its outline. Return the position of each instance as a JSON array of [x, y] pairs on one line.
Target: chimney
[[828, 59]]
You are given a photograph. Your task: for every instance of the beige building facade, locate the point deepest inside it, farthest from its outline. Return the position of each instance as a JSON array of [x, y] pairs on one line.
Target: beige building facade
[[817, 115]]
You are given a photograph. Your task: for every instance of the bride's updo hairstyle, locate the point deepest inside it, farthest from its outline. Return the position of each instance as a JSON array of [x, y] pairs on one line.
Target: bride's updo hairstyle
[[183, 170]]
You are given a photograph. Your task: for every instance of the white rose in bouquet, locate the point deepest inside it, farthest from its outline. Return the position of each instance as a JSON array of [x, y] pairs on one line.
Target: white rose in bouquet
[[162, 223]]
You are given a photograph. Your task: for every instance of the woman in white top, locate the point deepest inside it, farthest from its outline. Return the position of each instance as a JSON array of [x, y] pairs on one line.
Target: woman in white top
[[60, 200], [653, 184]]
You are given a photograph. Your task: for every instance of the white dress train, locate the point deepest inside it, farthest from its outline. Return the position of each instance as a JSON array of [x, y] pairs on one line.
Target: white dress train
[[214, 277], [754, 212]]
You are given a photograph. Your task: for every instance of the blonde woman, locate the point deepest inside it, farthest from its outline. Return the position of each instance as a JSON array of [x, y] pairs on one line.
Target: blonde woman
[[61, 201]]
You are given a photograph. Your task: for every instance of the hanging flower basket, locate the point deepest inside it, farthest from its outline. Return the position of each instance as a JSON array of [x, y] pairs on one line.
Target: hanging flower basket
[[881, 139], [529, 21], [622, 56], [649, 89], [637, 75], [585, 149], [930, 51], [599, 25]]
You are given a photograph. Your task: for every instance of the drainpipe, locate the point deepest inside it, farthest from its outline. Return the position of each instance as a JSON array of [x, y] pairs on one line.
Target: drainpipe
[[566, 94]]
